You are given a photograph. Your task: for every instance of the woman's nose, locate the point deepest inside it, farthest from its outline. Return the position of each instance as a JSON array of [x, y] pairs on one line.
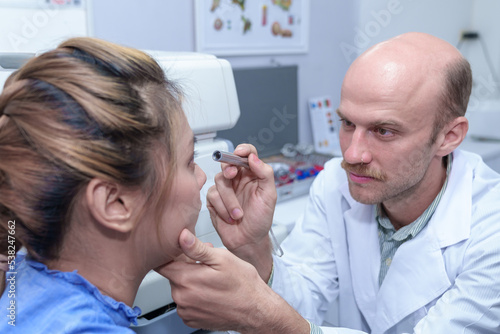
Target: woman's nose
[[201, 176]]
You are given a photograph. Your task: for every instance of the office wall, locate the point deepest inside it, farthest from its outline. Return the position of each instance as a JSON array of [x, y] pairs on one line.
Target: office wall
[[146, 24], [486, 79], [445, 19], [339, 31], [169, 25]]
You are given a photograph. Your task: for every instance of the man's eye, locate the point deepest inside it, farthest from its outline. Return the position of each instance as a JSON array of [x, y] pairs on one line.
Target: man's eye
[[346, 122], [384, 132]]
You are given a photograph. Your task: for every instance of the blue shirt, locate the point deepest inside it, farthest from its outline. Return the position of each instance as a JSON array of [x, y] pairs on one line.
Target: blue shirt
[[51, 301]]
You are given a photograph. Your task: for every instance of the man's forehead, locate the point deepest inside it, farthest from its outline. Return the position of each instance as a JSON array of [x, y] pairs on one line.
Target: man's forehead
[[398, 90]]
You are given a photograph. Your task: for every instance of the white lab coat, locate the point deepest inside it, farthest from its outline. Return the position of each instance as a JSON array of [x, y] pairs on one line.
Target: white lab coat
[[445, 280]]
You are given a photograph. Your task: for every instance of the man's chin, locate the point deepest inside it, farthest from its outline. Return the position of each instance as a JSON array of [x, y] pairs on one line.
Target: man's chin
[[363, 198]]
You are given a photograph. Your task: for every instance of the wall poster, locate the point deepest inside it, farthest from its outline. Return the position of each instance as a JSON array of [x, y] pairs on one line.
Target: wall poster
[[30, 26], [250, 27]]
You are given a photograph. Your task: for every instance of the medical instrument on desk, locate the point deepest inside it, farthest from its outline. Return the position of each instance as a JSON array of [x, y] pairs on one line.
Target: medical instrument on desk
[[232, 159]]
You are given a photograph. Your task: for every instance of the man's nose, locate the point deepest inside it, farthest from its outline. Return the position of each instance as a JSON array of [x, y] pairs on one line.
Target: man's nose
[[358, 151]]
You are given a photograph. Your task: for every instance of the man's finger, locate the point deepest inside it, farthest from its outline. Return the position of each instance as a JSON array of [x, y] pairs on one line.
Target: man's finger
[[216, 206], [228, 196], [263, 171]]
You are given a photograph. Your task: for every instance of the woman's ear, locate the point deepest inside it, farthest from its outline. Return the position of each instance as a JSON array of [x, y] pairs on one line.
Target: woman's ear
[[111, 205], [454, 135]]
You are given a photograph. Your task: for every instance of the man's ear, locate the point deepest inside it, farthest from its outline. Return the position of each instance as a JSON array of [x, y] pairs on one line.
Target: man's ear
[[454, 135], [111, 205]]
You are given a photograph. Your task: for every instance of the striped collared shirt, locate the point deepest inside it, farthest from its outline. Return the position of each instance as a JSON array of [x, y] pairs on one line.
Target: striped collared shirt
[[390, 239], [315, 329]]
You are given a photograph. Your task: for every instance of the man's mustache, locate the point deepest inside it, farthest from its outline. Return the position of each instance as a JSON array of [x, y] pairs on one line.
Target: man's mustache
[[363, 170]]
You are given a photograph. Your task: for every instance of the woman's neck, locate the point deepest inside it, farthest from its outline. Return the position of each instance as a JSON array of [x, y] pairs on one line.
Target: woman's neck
[[110, 268]]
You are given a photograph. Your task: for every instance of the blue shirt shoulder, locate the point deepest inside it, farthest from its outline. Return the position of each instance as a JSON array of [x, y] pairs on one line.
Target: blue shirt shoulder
[[40, 300]]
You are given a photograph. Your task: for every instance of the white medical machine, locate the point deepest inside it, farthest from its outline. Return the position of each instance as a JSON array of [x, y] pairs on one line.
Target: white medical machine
[[210, 103]]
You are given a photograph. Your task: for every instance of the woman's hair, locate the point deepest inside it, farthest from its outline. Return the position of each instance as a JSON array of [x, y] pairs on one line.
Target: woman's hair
[[86, 109]]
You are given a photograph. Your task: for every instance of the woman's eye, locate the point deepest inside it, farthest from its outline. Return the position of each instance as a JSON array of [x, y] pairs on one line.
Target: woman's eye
[[191, 162]]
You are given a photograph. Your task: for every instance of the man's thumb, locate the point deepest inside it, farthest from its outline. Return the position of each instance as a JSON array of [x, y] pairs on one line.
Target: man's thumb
[[194, 248]]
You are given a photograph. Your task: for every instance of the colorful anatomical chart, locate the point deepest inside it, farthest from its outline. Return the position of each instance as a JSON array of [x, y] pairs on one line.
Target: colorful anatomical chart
[[252, 24]]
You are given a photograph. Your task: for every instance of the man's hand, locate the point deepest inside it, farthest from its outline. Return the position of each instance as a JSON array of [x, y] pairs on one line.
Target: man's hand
[[241, 205], [222, 292]]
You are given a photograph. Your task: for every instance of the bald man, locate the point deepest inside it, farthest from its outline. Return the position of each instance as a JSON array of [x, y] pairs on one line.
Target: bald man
[[402, 235]]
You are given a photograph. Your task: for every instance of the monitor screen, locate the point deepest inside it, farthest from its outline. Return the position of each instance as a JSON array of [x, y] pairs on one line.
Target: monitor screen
[[268, 103]]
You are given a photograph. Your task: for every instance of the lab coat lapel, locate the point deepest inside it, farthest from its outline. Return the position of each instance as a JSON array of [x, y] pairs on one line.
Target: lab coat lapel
[[417, 276], [418, 273], [364, 254]]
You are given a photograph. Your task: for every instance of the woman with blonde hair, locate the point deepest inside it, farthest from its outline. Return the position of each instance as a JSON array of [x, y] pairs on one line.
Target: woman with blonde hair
[[97, 182]]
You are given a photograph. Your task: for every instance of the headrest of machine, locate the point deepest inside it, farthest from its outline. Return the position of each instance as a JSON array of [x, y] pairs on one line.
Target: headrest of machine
[[210, 100]]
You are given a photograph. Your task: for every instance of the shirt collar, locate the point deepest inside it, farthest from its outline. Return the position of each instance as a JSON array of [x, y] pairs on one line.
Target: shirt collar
[[411, 230]]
